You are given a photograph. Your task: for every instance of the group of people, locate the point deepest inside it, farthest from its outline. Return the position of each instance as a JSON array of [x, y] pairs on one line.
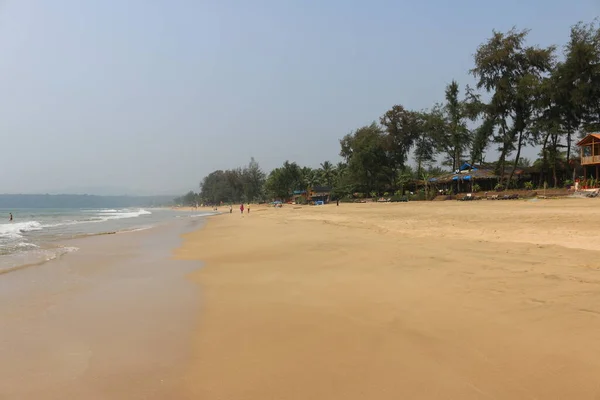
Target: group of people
[[241, 209]]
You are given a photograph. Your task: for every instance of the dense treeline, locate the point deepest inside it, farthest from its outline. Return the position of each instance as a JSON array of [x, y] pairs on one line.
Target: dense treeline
[[524, 95]]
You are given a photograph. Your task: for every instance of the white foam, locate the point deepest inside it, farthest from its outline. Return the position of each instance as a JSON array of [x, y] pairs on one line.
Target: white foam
[[141, 228], [102, 216], [124, 214], [14, 230], [26, 245]]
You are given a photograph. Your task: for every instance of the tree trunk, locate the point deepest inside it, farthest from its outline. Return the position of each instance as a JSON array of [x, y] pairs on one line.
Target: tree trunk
[[544, 160], [502, 159], [554, 158], [569, 133], [456, 161], [519, 145]]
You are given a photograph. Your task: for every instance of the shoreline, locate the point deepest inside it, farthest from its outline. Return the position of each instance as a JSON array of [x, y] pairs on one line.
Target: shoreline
[[113, 320], [43, 245], [456, 300]]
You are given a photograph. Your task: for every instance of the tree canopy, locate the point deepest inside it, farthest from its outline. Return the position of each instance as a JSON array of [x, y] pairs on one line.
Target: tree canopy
[[524, 95]]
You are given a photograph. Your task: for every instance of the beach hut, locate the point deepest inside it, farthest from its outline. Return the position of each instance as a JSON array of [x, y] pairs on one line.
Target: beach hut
[[319, 194], [589, 148], [464, 179]]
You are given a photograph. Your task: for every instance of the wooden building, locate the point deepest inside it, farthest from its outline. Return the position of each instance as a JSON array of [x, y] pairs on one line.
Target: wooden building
[[319, 194], [589, 147]]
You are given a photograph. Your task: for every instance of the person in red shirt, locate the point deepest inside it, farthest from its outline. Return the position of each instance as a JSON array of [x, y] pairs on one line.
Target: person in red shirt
[[242, 208]]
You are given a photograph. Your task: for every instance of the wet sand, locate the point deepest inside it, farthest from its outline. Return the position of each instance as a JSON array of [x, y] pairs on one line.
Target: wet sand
[[442, 300], [110, 321]]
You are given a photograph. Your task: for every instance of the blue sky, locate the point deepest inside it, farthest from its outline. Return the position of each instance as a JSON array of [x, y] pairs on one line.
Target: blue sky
[[149, 96]]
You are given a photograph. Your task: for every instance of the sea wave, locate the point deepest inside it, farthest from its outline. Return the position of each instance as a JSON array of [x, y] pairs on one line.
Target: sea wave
[[34, 258], [101, 216], [26, 245], [14, 230], [124, 214]]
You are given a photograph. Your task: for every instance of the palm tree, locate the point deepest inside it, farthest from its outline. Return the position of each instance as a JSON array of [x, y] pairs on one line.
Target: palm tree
[[327, 172], [311, 177]]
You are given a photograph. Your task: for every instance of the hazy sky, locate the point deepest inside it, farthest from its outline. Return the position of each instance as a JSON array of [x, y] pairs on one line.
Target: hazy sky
[[149, 96]]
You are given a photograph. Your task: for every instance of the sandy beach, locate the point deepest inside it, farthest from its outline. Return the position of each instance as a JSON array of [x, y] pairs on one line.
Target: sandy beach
[[113, 320], [437, 300]]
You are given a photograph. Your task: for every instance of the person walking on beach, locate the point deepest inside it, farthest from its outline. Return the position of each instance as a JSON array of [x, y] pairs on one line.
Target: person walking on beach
[[10, 218], [242, 208], [248, 208], [230, 209], [337, 202]]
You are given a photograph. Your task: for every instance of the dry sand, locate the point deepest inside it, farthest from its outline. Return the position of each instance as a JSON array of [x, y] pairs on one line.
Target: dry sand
[[443, 300]]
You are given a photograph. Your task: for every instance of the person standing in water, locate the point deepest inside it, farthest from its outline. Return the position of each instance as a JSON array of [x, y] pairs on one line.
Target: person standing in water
[[10, 217]]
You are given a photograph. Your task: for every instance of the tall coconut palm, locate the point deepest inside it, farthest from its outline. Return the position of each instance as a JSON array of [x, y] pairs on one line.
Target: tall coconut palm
[[327, 173]]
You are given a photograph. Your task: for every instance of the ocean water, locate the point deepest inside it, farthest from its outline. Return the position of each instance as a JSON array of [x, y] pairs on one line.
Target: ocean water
[[38, 235]]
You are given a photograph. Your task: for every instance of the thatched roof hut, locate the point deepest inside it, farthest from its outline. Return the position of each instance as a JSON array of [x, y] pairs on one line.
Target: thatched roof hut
[[483, 175]]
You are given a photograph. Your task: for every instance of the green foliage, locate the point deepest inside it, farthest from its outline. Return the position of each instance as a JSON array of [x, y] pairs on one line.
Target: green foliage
[[189, 199], [528, 185], [531, 100], [327, 173], [476, 188], [302, 200], [512, 73], [398, 198], [233, 186], [402, 129], [365, 154], [454, 137], [283, 181]]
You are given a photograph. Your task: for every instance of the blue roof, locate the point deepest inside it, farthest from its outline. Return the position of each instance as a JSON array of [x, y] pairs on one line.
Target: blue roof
[[467, 177]]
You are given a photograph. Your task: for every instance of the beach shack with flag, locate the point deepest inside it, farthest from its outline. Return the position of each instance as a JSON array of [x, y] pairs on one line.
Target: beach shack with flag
[[464, 179]]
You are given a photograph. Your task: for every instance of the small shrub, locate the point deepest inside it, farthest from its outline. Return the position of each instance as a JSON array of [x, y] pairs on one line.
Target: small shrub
[[499, 187], [397, 198], [528, 185], [476, 188], [302, 200], [568, 183]]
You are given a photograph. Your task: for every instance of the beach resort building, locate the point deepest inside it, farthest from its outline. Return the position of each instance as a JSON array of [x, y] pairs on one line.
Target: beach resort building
[[589, 148]]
